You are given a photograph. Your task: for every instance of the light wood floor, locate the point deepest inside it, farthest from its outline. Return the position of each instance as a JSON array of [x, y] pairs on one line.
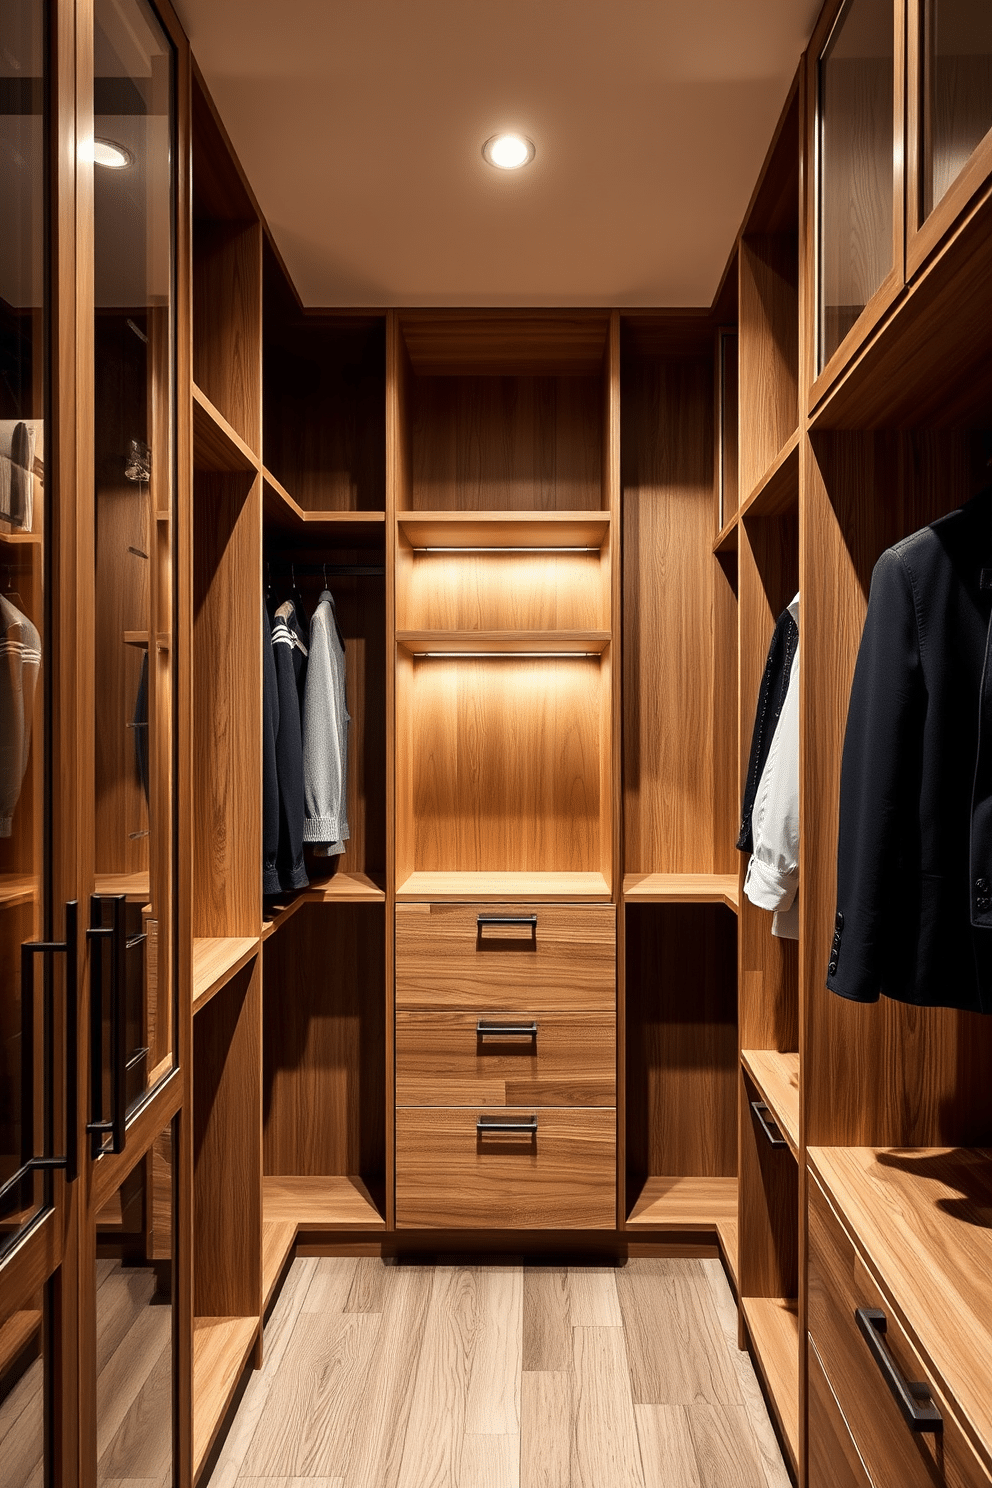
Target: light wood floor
[[502, 1376]]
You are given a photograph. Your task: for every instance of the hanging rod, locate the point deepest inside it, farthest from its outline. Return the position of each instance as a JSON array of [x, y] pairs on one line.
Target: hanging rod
[[285, 570]]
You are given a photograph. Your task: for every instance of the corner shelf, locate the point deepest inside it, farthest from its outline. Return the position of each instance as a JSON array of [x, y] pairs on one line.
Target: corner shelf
[[486, 886], [282, 514], [778, 490], [516, 529], [221, 1346], [488, 642], [682, 888], [726, 539], [216, 959], [217, 446], [773, 1327], [342, 888], [684, 1203], [322, 1204], [777, 1078], [135, 887]]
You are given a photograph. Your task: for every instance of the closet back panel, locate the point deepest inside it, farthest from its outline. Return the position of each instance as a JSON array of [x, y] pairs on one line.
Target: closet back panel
[[324, 1070], [863, 492], [227, 322], [769, 349], [227, 701], [504, 591], [679, 651], [505, 763], [507, 443]]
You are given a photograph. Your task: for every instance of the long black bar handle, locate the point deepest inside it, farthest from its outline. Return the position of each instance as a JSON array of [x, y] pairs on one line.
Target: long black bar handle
[[912, 1396], [493, 1028], [118, 1025], [529, 920], [71, 1037], [100, 1126], [30, 949], [486, 1124], [767, 1124]]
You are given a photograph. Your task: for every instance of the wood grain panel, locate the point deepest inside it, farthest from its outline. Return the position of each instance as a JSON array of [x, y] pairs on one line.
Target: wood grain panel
[[444, 959], [679, 625], [442, 1060], [547, 1324], [324, 1043], [768, 348], [685, 1204], [450, 1177], [834, 1459], [681, 1046], [463, 343], [546, 1424], [604, 1437], [777, 1079], [507, 443], [773, 1328], [511, 591], [768, 1262], [227, 321], [676, 1349]]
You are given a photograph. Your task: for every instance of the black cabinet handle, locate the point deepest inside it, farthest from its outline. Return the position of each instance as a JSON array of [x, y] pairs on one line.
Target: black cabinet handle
[[911, 1396], [526, 1125], [494, 1028], [99, 1127], [768, 1124], [29, 950], [530, 921]]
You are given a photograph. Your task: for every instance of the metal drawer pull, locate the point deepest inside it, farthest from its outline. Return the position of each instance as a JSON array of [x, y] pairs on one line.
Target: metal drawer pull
[[486, 1124], [768, 1124], [911, 1396], [490, 1028], [529, 921]]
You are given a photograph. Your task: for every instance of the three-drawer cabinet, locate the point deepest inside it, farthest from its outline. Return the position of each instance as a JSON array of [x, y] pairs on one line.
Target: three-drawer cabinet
[[506, 1066]]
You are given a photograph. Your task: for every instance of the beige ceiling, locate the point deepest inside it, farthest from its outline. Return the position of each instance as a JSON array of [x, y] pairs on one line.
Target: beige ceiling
[[360, 126]]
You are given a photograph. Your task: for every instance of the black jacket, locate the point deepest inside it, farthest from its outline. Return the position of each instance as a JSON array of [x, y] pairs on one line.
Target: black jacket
[[289, 653], [771, 696], [914, 860]]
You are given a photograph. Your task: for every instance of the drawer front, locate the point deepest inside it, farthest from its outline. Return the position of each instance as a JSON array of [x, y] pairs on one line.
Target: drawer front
[[555, 956], [449, 1176], [839, 1283], [442, 1059], [834, 1460]]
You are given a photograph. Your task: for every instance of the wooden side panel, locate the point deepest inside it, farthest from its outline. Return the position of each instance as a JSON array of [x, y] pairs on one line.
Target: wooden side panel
[[324, 1028], [769, 351], [227, 1150], [227, 321]]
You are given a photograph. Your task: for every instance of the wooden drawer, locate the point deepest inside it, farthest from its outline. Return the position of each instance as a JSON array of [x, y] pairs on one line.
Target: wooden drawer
[[448, 1176], [893, 1453], [442, 1059], [834, 1460], [562, 956]]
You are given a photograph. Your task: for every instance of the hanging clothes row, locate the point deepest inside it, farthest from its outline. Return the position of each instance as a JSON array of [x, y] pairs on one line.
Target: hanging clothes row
[[20, 664], [305, 741]]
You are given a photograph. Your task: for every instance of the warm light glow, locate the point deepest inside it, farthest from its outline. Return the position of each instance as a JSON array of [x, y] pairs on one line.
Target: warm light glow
[[508, 151], [515, 655], [517, 549], [111, 155]]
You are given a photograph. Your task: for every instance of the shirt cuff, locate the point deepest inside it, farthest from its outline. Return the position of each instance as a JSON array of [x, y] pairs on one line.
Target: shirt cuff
[[768, 887]]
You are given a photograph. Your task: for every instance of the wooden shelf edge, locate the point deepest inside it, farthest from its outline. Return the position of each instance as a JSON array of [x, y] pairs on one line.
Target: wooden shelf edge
[[773, 1328], [284, 511], [221, 1346], [217, 445], [727, 1233], [220, 958], [18, 888], [684, 1203], [561, 887], [520, 642], [18, 539], [682, 888], [338, 1203], [505, 529], [278, 1241], [726, 539], [341, 888], [778, 488], [772, 1073]]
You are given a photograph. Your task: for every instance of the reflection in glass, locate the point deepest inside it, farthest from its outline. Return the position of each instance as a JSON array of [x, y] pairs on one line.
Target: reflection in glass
[[134, 1326], [23, 377], [957, 90], [22, 1398], [856, 166], [133, 273]]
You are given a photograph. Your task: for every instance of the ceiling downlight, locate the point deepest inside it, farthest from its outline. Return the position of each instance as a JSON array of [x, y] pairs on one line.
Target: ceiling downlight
[[508, 151]]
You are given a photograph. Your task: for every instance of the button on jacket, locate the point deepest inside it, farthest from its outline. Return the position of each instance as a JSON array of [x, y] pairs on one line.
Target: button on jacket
[[914, 860]]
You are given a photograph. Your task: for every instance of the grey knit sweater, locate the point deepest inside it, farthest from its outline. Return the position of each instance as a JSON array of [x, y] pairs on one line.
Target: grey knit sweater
[[325, 735]]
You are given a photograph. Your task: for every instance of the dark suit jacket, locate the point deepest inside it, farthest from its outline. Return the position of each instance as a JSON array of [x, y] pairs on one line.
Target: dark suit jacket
[[914, 861], [771, 697]]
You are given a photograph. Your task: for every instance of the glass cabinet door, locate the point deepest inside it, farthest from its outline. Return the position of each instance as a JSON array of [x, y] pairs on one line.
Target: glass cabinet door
[[857, 160], [130, 915], [956, 88]]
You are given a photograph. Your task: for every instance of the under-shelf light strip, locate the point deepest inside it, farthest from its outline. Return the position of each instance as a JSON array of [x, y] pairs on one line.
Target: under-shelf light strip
[[506, 549], [518, 655]]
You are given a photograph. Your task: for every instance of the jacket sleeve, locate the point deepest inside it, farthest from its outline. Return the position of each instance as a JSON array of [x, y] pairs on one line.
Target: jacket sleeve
[[773, 872], [324, 729], [882, 742]]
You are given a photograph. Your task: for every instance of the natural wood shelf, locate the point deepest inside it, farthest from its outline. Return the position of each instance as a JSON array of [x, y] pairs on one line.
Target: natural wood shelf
[[342, 888], [727, 1232], [221, 1346], [778, 490], [777, 1078], [141, 639], [134, 886], [22, 539], [482, 642], [282, 514], [682, 888], [516, 529], [726, 539], [319, 1203], [16, 1333], [217, 447], [17, 888], [483, 886], [278, 1239], [684, 1204], [216, 959], [923, 1221], [773, 1326]]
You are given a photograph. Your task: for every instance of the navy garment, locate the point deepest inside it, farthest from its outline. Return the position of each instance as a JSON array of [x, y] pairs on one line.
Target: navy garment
[[289, 653], [771, 697], [914, 858]]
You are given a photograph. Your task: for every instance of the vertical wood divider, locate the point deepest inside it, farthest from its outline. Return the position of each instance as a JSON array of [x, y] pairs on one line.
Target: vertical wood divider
[[399, 858], [612, 794]]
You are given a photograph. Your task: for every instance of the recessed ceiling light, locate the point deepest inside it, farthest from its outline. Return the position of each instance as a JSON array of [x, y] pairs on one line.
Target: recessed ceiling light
[[508, 151], [108, 153]]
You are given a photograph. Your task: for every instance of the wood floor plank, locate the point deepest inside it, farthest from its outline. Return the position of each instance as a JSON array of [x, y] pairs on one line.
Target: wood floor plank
[[141, 1448], [331, 1286], [126, 1373], [378, 1452], [123, 1294], [492, 1406], [667, 1454], [433, 1445], [593, 1301], [318, 1397], [678, 1354], [22, 1430], [724, 1446], [368, 1288], [546, 1412], [604, 1433], [547, 1327], [489, 1462], [292, 1483]]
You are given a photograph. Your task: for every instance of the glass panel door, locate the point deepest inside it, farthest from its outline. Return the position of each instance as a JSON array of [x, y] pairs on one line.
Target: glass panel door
[[132, 1037], [957, 88]]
